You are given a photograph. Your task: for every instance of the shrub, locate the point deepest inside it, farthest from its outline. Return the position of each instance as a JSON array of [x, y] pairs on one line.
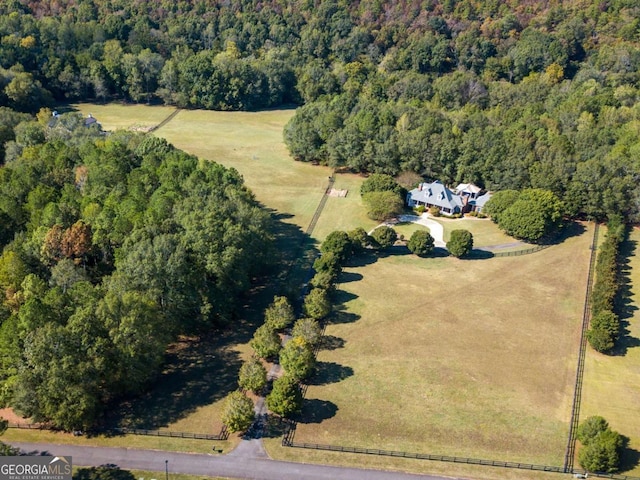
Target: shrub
[[419, 210], [252, 376], [279, 314], [238, 412], [285, 399], [460, 243], [434, 211], [421, 243], [266, 342], [384, 237]]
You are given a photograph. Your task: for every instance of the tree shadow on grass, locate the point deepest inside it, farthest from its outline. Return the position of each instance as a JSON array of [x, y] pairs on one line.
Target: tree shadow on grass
[[362, 259], [478, 254], [624, 304], [629, 459], [329, 372], [348, 277], [331, 342], [199, 371], [571, 229], [317, 411]]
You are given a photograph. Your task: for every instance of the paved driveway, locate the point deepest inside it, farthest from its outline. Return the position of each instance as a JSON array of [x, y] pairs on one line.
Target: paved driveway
[[212, 465], [437, 231]]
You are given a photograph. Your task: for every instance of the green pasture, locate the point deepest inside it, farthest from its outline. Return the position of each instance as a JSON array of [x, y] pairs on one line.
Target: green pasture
[[472, 358], [611, 386]]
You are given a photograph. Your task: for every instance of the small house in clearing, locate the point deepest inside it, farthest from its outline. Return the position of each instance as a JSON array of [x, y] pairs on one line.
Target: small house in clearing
[[465, 198]]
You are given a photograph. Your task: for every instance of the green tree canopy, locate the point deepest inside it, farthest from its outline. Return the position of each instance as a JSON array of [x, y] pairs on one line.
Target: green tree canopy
[[297, 358], [460, 243], [266, 342], [238, 412], [308, 329], [421, 243], [317, 304], [383, 205], [384, 237], [380, 182], [253, 375], [279, 314], [285, 399], [338, 243]]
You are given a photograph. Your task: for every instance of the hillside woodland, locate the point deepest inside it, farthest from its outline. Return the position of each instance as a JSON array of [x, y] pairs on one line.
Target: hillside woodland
[[114, 245], [504, 93]]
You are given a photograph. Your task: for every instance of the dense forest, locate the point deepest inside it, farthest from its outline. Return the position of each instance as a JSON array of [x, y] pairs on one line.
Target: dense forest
[[504, 93], [113, 247], [115, 244]]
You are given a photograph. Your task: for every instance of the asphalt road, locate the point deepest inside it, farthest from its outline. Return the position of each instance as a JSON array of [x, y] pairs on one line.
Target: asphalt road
[[212, 465]]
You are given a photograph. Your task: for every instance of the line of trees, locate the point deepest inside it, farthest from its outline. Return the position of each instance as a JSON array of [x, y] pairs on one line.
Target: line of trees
[[605, 323]]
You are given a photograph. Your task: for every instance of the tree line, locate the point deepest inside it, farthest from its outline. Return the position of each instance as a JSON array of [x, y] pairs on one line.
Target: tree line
[[112, 247]]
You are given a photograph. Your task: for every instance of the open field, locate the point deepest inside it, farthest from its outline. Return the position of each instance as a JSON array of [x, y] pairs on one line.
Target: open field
[[115, 116], [454, 357], [612, 382]]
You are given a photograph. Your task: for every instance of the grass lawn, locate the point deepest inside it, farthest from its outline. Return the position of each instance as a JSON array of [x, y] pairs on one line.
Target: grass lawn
[[130, 441], [430, 366], [611, 386], [344, 213], [485, 232]]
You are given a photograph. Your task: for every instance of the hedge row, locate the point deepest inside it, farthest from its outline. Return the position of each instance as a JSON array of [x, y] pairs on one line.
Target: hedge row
[[605, 323]]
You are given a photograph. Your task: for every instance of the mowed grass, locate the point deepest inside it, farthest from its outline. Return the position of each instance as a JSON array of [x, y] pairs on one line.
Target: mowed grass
[[454, 357], [129, 441], [612, 382], [485, 232], [115, 116]]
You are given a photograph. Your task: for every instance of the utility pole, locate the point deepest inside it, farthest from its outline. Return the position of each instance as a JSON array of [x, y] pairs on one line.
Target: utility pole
[[166, 469]]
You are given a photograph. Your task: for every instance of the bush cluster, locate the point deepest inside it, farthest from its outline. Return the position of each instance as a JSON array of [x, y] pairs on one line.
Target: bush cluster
[[605, 323], [601, 446]]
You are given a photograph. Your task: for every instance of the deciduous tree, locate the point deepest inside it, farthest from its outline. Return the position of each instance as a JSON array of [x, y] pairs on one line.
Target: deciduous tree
[[238, 412]]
